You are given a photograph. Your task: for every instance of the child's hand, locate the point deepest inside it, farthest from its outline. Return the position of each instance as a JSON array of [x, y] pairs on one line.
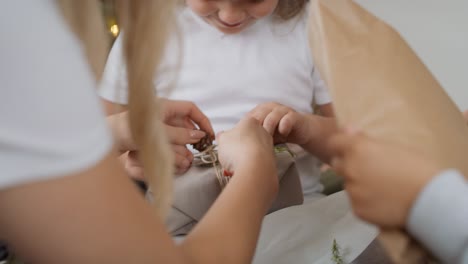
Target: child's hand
[[283, 123], [465, 114], [247, 145], [383, 180]]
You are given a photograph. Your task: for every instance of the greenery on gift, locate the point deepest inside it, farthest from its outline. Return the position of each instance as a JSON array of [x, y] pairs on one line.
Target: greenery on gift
[[337, 258]]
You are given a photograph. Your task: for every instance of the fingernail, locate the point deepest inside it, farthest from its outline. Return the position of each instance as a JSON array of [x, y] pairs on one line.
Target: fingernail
[[227, 173], [189, 156], [185, 164], [197, 134]]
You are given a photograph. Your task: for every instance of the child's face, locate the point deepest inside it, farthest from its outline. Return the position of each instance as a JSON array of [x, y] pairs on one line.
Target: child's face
[[232, 16]]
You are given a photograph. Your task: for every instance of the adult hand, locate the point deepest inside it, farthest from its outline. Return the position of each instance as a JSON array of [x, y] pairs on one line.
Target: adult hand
[[382, 179], [248, 145], [184, 124]]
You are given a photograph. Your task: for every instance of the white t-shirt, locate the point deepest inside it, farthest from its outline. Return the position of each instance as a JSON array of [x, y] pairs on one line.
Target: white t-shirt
[[51, 121], [228, 75]]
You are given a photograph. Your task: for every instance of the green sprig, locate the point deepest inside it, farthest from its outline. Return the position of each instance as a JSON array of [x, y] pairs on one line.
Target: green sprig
[[336, 254]]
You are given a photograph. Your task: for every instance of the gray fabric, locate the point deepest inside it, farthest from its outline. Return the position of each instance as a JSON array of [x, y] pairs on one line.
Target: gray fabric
[[196, 191], [304, 234], [373, 254], [3, 251]]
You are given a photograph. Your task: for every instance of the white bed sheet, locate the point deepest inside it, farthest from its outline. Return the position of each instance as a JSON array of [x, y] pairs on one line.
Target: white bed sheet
[[304, 234]]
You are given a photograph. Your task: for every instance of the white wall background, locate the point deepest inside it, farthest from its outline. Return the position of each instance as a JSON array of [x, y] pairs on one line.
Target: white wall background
[[438, 31]]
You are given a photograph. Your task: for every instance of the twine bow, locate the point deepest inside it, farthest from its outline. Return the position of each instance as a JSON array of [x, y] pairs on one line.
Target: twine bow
[[208, 157]]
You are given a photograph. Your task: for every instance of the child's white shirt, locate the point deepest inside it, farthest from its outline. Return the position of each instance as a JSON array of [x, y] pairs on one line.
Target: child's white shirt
[[227, 76]]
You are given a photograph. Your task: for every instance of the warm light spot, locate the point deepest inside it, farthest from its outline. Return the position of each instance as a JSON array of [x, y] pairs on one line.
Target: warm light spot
[[114, 30]]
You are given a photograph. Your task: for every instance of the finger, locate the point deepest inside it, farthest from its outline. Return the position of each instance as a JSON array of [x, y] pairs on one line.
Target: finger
[[340, 144], [287, 123], [193, 113], [189, 124], [260, 113], [179, 171], [183, 151], [135, 172], [181, 162], [133, 166], [337, 164], [176, 121], [183, 157], [273, 119], [133, 159], [249, 120], [181, 122], [183, 136], [341, 167], [123, 158]]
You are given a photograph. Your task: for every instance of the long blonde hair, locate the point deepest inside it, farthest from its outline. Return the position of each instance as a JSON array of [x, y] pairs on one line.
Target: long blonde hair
[[146, 25]]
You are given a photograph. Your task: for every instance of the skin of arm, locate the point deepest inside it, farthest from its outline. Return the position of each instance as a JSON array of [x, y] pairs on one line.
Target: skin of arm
[[326, 110], [102, 218], [111, 108]]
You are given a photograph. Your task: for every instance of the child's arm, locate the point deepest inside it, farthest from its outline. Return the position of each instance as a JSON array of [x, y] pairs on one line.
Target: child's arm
[[326, 110], [393, 187]]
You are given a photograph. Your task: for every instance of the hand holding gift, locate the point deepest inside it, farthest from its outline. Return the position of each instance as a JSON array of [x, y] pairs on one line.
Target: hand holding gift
[[245, 145], [184, 123], [372, 177], [286, 125], [248, 153], [380, 85]]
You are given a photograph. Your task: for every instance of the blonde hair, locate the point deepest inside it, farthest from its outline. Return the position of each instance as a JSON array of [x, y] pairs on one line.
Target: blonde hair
[[146, 26], [288, 9]]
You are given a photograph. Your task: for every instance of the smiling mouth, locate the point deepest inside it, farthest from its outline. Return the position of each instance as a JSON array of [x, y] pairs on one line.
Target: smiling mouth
[[227, 25], [231, 25]]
